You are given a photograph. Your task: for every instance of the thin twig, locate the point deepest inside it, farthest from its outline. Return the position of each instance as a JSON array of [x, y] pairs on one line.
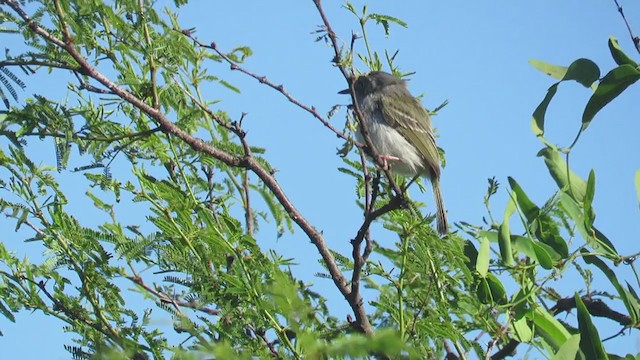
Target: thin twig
[[615, 335], [236, 127], [153, 69], [84, 85], [248, 213], [60, 306], [493, 342], [36, 62], [270, 344], [264, 80], [209, 173], [393, 204], [164, 298], [88, 138], [34, 228], [634, 39], [220, 121]]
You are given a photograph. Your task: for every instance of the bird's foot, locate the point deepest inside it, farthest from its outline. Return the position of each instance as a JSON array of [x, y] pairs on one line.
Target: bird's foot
[[385, 159]]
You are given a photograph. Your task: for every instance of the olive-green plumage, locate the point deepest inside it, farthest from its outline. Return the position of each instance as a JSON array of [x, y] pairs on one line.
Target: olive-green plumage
[[400, 128]]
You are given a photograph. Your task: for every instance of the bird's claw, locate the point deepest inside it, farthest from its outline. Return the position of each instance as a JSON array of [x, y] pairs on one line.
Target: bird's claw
[[385, 159]]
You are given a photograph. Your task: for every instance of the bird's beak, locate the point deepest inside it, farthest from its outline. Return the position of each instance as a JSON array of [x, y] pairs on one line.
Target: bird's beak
[[347, 90]]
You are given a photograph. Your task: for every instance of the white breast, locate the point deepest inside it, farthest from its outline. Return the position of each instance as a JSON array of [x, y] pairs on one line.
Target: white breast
[[388, 141]]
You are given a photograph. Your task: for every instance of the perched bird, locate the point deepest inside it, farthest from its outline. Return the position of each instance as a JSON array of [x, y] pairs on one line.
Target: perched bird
[[400, 131]]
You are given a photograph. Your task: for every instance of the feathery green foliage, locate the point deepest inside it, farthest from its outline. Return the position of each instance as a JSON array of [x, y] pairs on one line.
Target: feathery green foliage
[[135, 129]]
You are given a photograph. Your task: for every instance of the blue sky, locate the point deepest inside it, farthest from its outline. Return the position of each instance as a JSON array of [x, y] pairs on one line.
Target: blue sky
[[473, 53]]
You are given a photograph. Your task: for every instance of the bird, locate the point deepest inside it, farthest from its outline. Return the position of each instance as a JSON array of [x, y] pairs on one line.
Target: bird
[[400, 131]]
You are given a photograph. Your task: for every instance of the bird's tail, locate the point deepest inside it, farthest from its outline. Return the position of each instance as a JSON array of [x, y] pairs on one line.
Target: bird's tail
[[441, 212]]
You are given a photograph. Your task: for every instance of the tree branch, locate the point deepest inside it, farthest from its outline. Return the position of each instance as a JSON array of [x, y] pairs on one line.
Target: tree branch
[[359, 259], [396, 201], [596, 307], [198, 145], [35, 62]]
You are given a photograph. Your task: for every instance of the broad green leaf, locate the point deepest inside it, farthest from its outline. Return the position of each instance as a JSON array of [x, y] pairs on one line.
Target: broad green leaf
[[504, 234], [522, 300], [590, 342], [482, 262], [540, 224], [584, 71], [553, 254], [537, 122], [566, 179], [547, 326], [484, 291], [634, 302], [589, 214], [597, 240], [543, 255], [619, 56], [521, 330], [471, 253], [489, 234], [524, 245], [613, 278], [555, 71], [548, 232], [491, 291], [611, 85], [521, 244], [628, 357], [530, 210], [498, 292], [604, 243], [569, 349]]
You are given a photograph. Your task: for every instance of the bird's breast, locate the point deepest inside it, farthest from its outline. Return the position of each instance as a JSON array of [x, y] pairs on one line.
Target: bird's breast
[[387, 141]]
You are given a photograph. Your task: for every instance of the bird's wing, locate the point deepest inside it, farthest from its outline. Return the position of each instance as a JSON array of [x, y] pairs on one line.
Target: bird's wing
[[414, 124]]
